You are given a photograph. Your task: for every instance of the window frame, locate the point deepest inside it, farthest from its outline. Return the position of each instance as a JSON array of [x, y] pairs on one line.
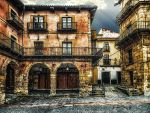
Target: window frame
[[39, 24], [67, 50], [38, 50], [66, 23]]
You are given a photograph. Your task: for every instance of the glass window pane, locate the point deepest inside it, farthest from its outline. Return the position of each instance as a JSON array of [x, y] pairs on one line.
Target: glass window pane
[[41, 19], [35, 19], [69, 19], [64, 19]]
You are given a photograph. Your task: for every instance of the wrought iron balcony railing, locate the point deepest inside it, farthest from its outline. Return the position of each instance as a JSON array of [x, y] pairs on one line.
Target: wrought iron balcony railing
[[60, 51], [106, 49], [130, 5], [37, 27], [138, 25], [8, 45], [15, 21], [67, 27], [106, 61]]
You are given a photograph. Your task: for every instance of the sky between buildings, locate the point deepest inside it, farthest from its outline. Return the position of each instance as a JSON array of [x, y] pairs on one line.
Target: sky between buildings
[[105, 16]]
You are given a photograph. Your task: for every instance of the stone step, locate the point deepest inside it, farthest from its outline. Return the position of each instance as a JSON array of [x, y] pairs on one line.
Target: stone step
[[10, 97], [98, 91]]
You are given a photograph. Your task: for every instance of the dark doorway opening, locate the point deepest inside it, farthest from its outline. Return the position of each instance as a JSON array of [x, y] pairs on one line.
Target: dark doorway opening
[[119, 77], [67, 79], [10, 78], [39, 79], [131, 78], [105, 77]]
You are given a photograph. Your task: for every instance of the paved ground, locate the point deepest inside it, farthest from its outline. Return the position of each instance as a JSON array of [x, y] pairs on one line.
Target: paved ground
[[114, 102]]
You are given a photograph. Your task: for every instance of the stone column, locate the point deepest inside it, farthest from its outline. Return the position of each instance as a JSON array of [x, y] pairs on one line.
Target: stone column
[[21, 86], [146, 71], [2, 88], [53, 84], [85, 86]]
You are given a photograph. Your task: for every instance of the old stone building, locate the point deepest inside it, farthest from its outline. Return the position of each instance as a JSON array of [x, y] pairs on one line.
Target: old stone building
[[134, 43], [108, 70], [46, 49]]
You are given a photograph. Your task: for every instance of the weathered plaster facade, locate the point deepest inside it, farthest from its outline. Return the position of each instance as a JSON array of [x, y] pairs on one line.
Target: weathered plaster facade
[[19, 53]]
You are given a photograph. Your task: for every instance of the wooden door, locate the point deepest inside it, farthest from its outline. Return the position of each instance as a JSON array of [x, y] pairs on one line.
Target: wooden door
[[67, 81], [61, 81], [72, 81], [43, 82]]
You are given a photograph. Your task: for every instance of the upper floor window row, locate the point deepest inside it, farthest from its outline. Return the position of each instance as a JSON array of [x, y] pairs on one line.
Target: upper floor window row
[[39, 23]]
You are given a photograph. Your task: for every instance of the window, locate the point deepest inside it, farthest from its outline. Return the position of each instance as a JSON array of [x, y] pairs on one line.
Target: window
[[130, 58], [129, 28], [38, 47], [66, 22], [13, 15], [13, 41], [67, 48], [106, 46], [38, 22], [106, 60]]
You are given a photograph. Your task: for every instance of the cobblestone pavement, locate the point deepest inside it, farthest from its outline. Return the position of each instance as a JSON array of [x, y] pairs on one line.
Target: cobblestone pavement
[[114, 102]]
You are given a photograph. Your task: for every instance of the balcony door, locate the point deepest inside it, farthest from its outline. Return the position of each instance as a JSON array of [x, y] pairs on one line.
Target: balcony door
[[38, 46], [13, 41], [67, 48], [38, 22], [13, 15], [66, 22]]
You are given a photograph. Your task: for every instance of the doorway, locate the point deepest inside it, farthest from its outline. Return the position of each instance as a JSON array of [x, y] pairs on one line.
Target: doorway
[[67, 78], [105, 77], [39, 79], [10, 78]]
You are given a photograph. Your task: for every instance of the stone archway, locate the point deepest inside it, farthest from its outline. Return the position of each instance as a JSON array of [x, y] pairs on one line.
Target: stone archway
[[39, 79], [10, 77], [67, 78]]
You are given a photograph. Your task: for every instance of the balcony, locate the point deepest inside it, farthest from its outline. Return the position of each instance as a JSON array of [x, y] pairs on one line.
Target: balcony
[[7, 46], [129, 8], [106, 49], [13, 49], [59, 51], [14, 21], [67, 27], [106, 61], [138, 26], [41, 27]]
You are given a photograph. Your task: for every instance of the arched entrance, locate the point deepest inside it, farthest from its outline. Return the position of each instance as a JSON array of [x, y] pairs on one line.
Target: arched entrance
[[10, 78], [67, 78], [39, 79]]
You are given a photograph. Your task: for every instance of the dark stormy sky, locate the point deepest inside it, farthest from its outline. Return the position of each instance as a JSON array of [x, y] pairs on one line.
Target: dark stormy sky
[[105, 15]]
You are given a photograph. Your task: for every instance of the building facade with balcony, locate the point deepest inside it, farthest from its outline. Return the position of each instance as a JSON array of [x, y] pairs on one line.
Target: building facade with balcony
[[46, 49], [133, 42], [108, 70]]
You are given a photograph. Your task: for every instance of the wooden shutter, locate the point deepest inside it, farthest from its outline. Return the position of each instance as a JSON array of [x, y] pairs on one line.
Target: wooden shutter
[[73, 23]]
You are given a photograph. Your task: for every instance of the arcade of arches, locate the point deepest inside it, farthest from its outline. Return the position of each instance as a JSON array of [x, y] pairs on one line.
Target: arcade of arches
[[41, 77]]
